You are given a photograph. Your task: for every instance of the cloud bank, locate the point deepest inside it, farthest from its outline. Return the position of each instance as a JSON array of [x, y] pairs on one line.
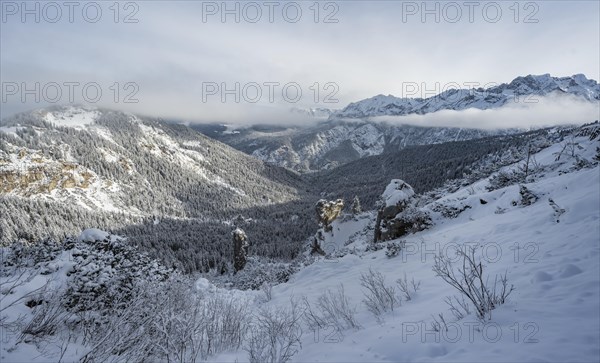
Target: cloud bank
[[535, 113]]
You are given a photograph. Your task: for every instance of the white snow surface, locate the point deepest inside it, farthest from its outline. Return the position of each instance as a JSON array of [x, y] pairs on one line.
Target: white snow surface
[[398, 191], [94, 234], [552, 316], [72, 116]]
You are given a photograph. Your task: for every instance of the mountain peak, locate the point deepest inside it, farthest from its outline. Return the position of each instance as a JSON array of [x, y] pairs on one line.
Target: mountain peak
[[497, 96]]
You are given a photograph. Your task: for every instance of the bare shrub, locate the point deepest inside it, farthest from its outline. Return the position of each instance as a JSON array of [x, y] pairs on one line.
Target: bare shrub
[[458, 307], [505, 178], [408, 288], [439, 323], [171, 322], [229, 321], [123, 335], [48, 317], [569, 147], [470, 281], [13, 280], [558, 211], [275, 335], [336, 308], [311, 317], [379, 297], [333, 309]]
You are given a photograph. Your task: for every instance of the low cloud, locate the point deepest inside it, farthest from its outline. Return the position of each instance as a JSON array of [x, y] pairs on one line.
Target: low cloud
[[533, 112]]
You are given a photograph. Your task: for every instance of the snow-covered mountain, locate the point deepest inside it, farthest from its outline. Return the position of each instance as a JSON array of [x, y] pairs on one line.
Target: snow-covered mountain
[[313, 112], [460, 99], [176, 192], [331, 143], [350, 134], [532, 227], [96, 158], [66, 167]]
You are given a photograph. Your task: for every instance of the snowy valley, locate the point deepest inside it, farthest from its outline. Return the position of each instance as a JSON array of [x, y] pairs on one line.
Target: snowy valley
[[365, 285], [299, 181]]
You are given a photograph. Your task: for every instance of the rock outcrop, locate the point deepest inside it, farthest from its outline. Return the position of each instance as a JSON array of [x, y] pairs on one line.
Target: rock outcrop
[[240, 248], [397, 216], [327, 212]]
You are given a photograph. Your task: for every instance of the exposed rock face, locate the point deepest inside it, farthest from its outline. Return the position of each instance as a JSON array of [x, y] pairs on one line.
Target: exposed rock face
[[397, 216], [327, 212], [240, 248], [356, 207], [43, 176], [316, 248]]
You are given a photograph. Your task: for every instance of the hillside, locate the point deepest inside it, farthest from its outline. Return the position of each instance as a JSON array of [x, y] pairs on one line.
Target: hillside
[[108, 154], [551, 260], [178, 194], [537, 230], [68, 168], [332, 143], [427, 167]]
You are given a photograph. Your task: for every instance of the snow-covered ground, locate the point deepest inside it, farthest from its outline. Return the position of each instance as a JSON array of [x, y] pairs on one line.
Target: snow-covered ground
[[75, 117], [552, 315], [549, 251]]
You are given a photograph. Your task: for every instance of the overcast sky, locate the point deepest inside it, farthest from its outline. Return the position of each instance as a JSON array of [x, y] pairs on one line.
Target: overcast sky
[[175, 59]]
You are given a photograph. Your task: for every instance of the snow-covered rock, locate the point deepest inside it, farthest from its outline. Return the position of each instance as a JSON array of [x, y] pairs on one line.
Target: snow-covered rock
[[397, 215], [202, 285], [397, 192]]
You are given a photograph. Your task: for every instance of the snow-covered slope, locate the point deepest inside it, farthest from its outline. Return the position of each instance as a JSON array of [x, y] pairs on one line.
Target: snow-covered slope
[[552, 261], [56, 170], [461, 99], [109, 161], [546, 240], [332, 143]]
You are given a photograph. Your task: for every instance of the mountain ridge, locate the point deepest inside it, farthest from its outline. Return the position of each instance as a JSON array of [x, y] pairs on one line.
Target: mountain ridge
[[352, 133], [460, 99]]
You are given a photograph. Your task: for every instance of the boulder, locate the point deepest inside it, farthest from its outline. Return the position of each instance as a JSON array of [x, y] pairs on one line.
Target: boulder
[[397, 216]]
